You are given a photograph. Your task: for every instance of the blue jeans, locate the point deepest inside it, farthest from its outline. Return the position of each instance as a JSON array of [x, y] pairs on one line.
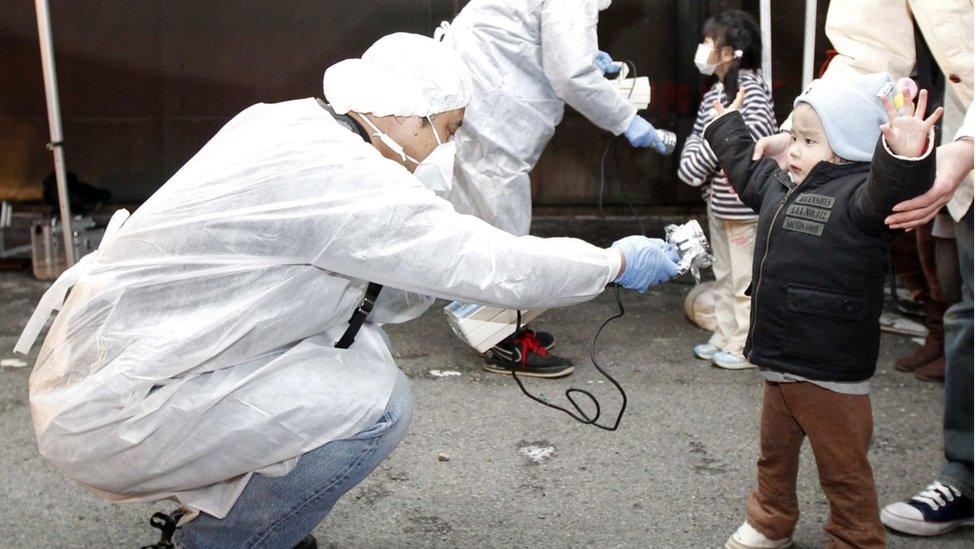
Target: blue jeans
[[958, 424], [279, 511]]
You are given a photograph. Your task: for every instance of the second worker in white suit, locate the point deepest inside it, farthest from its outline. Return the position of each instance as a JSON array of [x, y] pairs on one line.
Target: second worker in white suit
[[528, 60]]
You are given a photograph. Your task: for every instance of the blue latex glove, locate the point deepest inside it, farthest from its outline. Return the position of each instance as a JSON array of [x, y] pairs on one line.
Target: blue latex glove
[[605, 63], [649, 262], [641, 133]]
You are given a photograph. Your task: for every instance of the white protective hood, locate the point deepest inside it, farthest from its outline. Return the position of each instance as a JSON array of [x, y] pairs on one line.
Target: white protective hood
[[196, 346], [428, 78]]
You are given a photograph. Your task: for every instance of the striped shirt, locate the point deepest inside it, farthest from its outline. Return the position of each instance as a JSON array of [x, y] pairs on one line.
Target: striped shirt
[[698, 165]]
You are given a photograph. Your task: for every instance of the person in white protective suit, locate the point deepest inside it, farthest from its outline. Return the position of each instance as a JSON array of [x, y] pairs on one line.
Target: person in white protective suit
[[207, 352], [528, 60]]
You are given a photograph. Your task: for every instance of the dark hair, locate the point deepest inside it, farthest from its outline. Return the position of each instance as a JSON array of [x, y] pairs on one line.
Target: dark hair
[[740, 31]]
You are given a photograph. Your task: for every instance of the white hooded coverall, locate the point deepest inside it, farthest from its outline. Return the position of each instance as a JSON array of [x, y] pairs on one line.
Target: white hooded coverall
[[196, 346], [528, 59]]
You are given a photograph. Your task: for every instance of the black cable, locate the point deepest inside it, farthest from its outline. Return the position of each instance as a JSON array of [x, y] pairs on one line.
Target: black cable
[[901, 305], [612, 144], [580, 415], [892, 282], [603, 180], [623, 188]]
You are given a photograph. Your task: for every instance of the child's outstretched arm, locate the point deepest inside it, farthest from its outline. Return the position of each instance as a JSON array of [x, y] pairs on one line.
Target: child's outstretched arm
[[697, 162], [903, 166], [732, 142]]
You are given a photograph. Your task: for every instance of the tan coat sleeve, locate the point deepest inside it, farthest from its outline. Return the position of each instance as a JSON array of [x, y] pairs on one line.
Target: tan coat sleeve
[[962, 199], [947, 26], [870, 36], [968, 129]]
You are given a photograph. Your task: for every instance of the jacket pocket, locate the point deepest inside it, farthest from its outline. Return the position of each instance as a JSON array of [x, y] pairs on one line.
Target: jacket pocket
[[827, 327], [814, 301]]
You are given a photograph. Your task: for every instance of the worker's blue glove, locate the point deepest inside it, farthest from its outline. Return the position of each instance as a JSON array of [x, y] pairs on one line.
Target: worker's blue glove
[[648, 262], [605, 63], [641, 133]]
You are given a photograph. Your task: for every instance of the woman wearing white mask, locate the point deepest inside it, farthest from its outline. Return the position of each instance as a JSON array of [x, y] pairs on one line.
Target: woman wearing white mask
[[731, 51], [218, 349]]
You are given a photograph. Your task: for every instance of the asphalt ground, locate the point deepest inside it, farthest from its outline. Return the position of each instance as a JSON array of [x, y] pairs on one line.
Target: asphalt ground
[[676, 473]]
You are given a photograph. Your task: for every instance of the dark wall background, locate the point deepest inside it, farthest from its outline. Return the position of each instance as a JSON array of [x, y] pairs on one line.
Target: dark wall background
[[145, 84]]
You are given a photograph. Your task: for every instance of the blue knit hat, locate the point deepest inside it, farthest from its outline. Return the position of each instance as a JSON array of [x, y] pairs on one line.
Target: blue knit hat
[[851, 113]]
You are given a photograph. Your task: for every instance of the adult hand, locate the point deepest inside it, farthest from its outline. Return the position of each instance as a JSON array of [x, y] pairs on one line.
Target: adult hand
[[776, 146], [605, 63], [953, 162], [908, 135], [736, 104], [640, 133], [647, 262]]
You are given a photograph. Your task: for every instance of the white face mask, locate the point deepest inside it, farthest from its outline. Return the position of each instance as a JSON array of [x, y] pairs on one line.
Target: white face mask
[[701, 60], [436, 171]]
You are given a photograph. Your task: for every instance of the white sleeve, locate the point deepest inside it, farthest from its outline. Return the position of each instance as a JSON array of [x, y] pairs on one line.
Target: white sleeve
[[569, 46], [393, 231], [284, 184], [616, 262]]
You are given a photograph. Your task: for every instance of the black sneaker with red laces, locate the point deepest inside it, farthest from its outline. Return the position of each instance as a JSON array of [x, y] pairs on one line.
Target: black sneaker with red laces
[[545, 339], [527, 354]]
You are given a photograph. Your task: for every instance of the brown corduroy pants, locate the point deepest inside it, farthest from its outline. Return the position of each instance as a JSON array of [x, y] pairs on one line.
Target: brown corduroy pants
[[839, 428]]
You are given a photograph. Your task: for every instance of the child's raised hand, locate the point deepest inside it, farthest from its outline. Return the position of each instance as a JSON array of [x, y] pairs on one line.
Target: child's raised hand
[[734, 106], [908, 135]]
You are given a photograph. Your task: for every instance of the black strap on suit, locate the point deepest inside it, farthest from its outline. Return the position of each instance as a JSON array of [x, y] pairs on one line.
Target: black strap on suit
[[373, 289], [359, 316]]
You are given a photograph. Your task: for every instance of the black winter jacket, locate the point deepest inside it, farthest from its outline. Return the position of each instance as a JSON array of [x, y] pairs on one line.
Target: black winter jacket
[[821, 250]]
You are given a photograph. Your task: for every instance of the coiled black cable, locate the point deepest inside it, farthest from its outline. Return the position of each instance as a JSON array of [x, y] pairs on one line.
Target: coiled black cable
[[580, 415]]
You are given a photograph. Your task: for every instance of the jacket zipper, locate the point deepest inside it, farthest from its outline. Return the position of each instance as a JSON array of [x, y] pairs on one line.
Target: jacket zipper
[[762, 270]]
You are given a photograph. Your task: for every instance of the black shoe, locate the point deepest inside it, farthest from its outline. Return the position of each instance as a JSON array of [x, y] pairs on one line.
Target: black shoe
[[167, 525], [934, 511], [545, 339], [537, 362]]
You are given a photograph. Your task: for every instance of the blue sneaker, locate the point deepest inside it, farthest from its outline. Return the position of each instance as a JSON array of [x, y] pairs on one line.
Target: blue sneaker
[[731, 361], [705, 351], [934, 511]]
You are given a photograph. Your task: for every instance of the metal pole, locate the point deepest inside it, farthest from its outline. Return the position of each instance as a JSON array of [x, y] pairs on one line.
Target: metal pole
[[767, 42], [54, 122], [809, 41]]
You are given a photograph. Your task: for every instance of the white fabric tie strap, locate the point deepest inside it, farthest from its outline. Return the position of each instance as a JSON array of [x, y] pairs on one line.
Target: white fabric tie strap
[[53, 298]]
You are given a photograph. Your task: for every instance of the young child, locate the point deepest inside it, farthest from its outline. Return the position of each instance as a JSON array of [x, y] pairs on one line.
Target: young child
[[732, 51], [817, 291]]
